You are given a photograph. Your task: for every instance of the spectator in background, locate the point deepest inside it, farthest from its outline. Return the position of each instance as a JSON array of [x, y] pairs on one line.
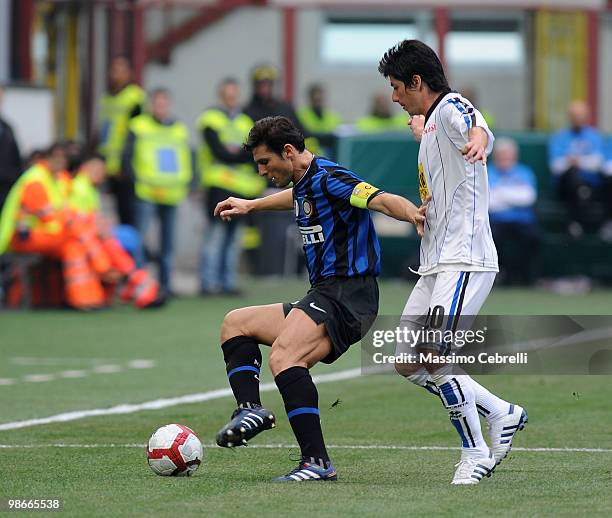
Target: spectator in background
[[123, 101], [576, 157], [381, 118], [10, 158], [319, 121], [158, 158], [36, 220], [263, 237], [513, 193], [606, 230], [264, 103], [226, 170]]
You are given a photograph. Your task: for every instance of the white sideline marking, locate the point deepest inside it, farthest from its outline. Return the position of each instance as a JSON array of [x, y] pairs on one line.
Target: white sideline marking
[[107, 369], [129, 408], [332, 446], [38, 378], [141, 364], [104, 368], [73, 374]]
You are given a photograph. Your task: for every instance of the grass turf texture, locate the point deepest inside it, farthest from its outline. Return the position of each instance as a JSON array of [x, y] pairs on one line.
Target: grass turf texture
[[379, 410]]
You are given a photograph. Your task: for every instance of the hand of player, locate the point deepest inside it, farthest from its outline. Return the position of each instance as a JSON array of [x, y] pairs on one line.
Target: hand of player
[[417, 125], [474, 152], [232, 207], [421, 216]]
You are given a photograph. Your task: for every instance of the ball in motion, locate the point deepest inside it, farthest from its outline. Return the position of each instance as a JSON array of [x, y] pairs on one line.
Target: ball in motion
[[174, 450]]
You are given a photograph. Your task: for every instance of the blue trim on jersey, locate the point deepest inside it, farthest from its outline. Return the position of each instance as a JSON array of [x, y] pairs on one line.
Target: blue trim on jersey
[[461, 109], [346, 245], [303, 410], [243, 368], [329, 258], [361, 264], [455, 298]]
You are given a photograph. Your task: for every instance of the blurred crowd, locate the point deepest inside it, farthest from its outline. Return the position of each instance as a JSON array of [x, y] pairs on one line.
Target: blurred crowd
[[142, 156]]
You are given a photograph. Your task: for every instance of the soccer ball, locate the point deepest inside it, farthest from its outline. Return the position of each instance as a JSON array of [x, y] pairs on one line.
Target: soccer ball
[[174, 451]]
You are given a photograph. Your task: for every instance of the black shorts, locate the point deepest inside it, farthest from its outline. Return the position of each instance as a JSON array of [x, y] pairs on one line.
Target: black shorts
[[346, 305]]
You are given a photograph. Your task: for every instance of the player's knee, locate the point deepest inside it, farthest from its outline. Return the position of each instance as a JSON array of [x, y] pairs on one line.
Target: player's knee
[[232, 325], [405, 369]]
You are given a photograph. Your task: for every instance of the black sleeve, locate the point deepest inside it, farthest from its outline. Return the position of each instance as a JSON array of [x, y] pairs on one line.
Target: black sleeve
[[194, 184], [221, 153], [136, 111], [127, 156], [15, 155]]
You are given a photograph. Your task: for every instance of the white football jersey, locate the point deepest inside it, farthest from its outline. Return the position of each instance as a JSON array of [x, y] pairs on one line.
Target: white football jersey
[[457, 231]]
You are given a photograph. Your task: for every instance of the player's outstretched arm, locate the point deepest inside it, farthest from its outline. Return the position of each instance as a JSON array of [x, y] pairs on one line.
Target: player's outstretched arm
[[226, 209], [400, 208], [475, 149]]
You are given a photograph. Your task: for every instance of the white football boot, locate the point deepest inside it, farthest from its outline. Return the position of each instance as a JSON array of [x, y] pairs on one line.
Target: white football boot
[[503, 430], [471, 470]]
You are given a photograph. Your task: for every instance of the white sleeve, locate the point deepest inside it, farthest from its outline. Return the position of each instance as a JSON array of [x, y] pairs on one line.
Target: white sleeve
[[458, 117]]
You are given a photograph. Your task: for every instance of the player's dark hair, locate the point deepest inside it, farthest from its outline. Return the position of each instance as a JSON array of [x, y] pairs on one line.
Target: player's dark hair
[[275, 132], [411, 58]]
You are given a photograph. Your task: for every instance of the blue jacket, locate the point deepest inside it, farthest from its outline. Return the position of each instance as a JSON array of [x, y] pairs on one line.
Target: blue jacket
[[586, 144], [512, 195]]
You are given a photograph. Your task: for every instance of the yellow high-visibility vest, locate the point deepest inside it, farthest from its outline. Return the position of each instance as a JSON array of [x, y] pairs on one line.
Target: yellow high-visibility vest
[[238, 178], [162, 160], [374, 124], [115, 114], [315, 124], [84, 197], [11, 217]]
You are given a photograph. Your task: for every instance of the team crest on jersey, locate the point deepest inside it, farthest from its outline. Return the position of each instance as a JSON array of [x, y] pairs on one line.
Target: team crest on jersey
[[307, 207], [423, 189]]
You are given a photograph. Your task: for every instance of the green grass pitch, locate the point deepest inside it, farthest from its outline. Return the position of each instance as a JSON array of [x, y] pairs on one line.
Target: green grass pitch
[[58, 362]]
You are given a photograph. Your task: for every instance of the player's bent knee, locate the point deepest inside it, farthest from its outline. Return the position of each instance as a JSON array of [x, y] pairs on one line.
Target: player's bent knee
[[407, 369], [232, 325]]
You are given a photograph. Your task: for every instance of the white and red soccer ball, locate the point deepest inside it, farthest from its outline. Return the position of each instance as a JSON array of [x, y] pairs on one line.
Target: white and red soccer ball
[[174, 450]]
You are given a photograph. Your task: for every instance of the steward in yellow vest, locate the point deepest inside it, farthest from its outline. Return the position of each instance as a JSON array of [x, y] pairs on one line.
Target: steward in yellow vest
[[35, 220], [158, 158], [319, 122], [115, 114], [381, 119], [159, 155], [226, 170], [221, 160], [123, 102], [33, 206]]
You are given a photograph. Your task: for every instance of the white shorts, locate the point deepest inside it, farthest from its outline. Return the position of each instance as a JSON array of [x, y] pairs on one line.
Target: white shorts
[[448, 300]]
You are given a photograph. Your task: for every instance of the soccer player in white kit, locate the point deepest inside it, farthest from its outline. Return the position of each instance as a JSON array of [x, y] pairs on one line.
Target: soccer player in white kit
[[458, 256]]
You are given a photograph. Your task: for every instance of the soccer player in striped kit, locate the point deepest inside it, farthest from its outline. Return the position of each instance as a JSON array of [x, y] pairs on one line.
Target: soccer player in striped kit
[[331, 211], [458, 256]]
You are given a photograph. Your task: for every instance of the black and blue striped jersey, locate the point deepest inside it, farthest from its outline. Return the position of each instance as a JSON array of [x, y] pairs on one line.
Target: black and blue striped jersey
[[338, 234]]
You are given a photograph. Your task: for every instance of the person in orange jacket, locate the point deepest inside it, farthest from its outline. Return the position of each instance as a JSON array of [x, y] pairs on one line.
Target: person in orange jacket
[[105, 253], [36, 220]]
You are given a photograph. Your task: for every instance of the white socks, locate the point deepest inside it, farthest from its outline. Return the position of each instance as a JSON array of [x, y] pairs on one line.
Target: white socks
[[488, 404], [458, 396]]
